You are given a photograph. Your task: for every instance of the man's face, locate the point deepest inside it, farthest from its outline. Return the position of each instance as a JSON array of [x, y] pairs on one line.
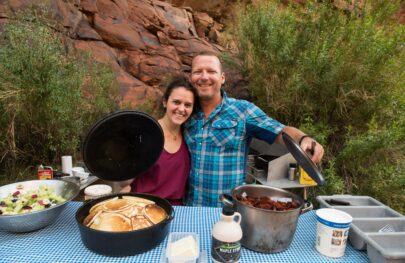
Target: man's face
[[207, 76]]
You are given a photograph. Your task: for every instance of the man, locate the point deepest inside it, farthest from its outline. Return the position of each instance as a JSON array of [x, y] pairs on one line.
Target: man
[[218, 136]]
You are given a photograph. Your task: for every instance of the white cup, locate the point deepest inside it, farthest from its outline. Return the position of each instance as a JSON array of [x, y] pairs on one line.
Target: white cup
[[332, 231], [67, 165], [79, 172]]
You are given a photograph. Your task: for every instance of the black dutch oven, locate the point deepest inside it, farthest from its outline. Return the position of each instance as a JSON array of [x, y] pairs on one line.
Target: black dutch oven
[[119, 147], [124, 243]]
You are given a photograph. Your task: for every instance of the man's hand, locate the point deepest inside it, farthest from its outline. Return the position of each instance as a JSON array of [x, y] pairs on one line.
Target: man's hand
[[308, 144], [313, 149]]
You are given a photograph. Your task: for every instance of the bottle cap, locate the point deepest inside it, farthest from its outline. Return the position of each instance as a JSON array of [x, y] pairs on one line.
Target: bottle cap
[[227, 210]]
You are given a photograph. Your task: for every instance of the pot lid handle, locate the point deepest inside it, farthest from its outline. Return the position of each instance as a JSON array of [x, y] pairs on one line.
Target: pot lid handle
[[303, 159]]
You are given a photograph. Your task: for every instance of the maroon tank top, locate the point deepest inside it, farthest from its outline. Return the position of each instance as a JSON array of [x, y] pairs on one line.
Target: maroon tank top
[[167, 178]]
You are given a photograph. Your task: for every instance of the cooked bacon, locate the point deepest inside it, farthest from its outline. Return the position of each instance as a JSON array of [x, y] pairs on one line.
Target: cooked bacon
[[266, 202]]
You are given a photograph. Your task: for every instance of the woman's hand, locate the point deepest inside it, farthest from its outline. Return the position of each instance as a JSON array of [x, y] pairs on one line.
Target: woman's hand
[[126, 189]]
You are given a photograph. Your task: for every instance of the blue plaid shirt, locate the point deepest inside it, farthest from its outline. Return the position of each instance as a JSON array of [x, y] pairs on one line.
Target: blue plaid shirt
[[219, 147]]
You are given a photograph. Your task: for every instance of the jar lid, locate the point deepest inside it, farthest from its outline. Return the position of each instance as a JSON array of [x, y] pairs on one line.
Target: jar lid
[[97, 190], [122, 145]]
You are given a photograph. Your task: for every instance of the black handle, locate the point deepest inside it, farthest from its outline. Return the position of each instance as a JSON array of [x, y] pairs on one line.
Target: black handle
[[226, 199], [336, 202]]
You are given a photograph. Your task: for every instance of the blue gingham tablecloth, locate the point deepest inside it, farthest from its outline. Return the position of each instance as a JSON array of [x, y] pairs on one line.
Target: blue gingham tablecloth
[[60, 242]]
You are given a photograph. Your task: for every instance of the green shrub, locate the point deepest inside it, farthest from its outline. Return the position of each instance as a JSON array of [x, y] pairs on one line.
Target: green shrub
[[339, 76], [48, 96]]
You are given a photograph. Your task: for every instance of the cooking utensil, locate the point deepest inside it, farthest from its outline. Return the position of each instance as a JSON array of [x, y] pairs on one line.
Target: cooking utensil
[[387, 229], [124, 243], [122, 145], [119, 147], [337, 202], [264, 230], [302, 159], [38, 219]]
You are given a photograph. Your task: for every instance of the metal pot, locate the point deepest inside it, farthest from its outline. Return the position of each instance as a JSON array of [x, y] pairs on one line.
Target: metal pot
[[264, 230], [124, 243]]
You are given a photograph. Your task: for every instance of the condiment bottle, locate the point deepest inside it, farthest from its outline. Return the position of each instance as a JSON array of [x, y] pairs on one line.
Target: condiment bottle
[[226, 237], [96, 190], [292, 171]]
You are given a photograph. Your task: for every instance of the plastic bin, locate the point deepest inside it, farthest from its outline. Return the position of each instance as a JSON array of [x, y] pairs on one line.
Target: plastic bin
[[338, 200], [370, 212], [386, 248], [375, 227], [363, 227]]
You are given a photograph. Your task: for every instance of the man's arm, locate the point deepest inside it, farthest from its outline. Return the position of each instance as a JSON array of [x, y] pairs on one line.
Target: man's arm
[[308, 144]]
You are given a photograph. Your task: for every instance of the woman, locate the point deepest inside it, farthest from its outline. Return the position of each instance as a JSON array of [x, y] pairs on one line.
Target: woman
[[167, 178]]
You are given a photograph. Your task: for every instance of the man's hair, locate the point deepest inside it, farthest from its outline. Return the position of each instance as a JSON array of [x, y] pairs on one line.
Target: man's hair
[[211, 54]]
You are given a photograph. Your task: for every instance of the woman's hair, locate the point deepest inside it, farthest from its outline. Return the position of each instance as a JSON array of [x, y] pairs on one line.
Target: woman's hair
[[183, 82]]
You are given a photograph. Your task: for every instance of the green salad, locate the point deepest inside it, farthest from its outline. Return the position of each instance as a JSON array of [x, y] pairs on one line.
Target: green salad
[[21, 202]]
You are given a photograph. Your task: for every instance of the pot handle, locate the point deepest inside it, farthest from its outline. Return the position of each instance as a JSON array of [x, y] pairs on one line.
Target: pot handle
[[171, 217], [237, 217], [226, 199], [307, 207]]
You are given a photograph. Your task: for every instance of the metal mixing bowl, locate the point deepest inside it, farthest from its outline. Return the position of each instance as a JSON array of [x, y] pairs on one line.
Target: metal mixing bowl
[[39, 219]]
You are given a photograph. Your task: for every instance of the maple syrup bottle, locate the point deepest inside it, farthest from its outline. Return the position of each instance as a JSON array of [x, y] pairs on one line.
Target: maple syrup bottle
[[226, 237]]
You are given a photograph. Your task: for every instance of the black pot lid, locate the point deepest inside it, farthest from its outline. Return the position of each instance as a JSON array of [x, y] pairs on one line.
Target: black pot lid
[[122, 145], [303, 159]]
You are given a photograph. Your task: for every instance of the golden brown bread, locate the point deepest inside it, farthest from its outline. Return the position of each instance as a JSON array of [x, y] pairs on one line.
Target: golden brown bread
[[124, 214], [155, 213], [113, 222]]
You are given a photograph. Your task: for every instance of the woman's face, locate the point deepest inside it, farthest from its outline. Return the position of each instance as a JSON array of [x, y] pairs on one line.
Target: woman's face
[[179, 105]]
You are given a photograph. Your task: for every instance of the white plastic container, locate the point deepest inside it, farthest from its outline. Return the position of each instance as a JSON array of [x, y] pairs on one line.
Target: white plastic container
[[183, 247], [226, 237], [96, 190], [332, 231]]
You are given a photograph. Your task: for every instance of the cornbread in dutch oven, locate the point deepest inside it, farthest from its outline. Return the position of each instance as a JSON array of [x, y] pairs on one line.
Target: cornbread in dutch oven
[[119, 147]]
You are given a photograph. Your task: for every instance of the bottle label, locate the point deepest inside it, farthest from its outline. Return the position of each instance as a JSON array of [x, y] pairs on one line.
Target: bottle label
[[228, 252], [45, 173]]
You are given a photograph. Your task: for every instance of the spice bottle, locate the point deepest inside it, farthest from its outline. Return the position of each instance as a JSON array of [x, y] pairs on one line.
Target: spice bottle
[[292, 171], [226, 237]]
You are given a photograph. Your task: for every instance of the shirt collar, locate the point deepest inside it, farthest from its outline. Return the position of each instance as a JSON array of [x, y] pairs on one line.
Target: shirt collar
[[220, 106]]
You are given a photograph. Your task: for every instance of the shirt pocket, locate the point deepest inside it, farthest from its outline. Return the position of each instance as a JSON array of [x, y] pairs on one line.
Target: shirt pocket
[[226, 133]]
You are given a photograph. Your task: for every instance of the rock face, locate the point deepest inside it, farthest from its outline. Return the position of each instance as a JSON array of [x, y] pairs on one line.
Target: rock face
[[144, 41]]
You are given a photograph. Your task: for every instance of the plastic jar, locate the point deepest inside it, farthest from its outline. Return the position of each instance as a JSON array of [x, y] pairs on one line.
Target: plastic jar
[[97, 190]]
